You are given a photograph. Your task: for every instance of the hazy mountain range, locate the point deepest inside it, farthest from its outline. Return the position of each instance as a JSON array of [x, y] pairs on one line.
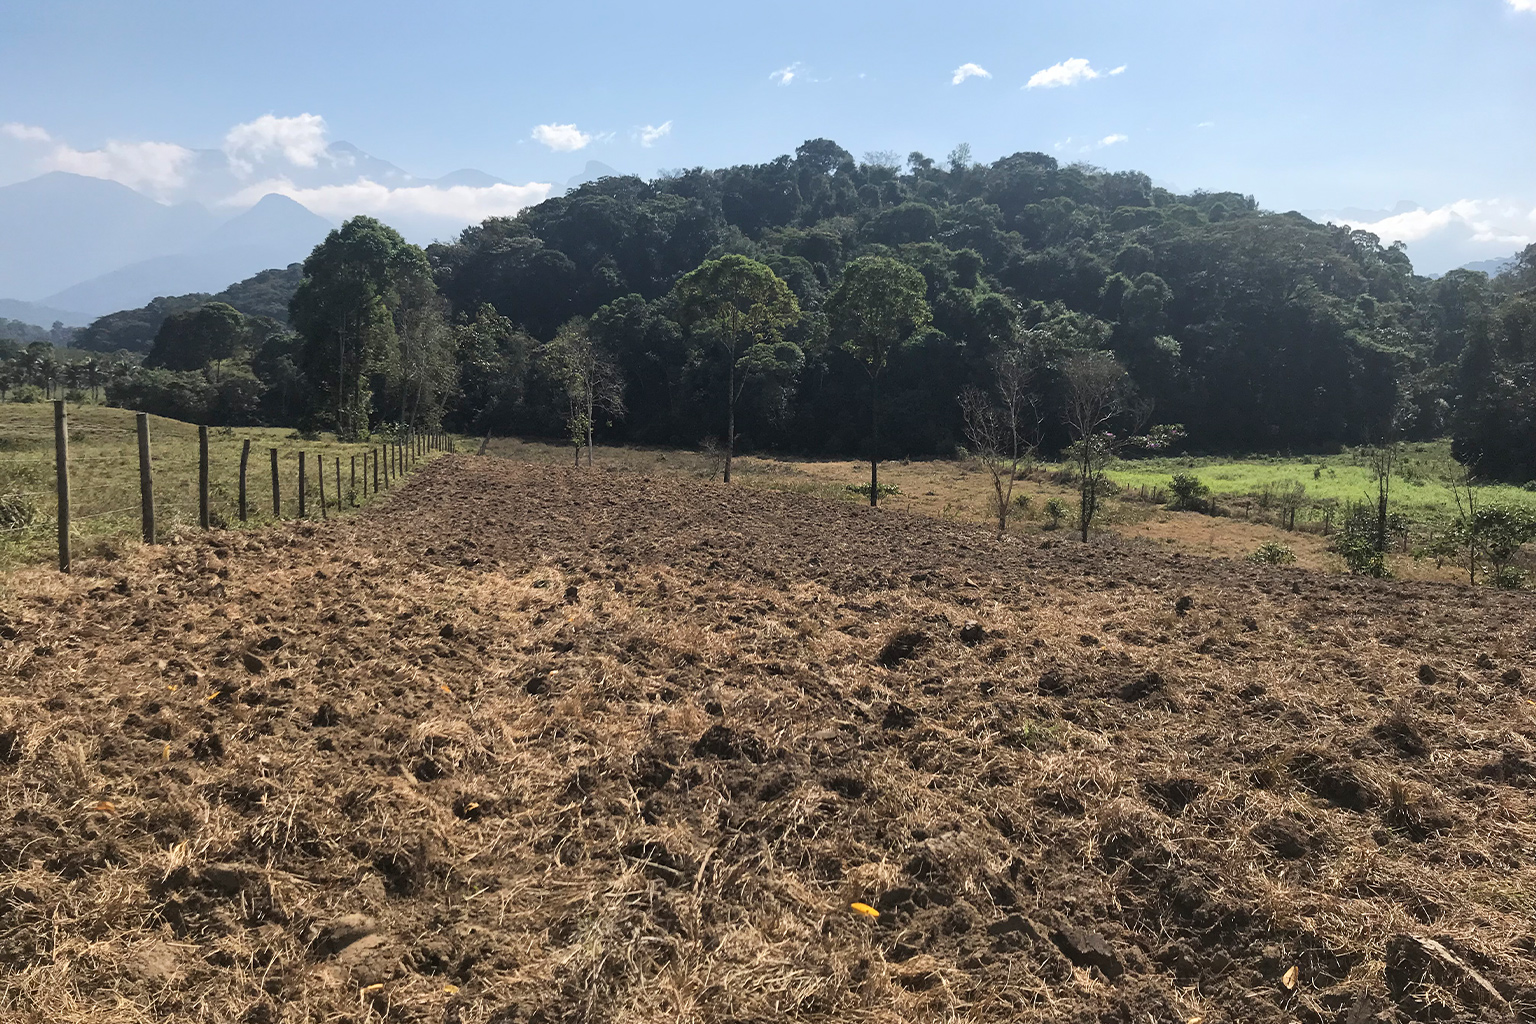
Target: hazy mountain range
[[73, 248]]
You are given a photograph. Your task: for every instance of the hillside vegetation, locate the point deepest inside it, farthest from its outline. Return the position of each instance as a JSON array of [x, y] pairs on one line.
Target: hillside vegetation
[[1255, 330]]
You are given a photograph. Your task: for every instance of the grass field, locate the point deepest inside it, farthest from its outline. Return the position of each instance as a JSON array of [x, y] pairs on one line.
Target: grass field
[[104, 477], [1420, 489]]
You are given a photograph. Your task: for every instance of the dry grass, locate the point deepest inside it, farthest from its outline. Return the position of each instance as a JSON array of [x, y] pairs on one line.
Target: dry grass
[[104, 477], [602, 746]]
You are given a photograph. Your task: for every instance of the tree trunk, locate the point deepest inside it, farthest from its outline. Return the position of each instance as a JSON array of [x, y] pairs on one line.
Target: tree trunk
[[874, 440]]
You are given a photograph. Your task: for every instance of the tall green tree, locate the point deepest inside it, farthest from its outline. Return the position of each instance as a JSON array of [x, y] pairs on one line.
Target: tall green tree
[[879, 306], [362, 287], [194, 338], [744, 308]]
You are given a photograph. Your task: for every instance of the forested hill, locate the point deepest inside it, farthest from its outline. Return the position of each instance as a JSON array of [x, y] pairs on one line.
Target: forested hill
[[1255, 330]]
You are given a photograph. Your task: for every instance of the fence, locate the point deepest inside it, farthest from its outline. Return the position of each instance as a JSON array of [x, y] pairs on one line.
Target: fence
[[383, 464]]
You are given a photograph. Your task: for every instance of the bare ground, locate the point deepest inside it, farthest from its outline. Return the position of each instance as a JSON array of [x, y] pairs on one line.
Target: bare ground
[[523, 744]]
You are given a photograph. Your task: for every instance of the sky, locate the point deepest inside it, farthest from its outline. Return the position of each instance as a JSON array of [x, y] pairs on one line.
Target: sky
[[1414, 118]]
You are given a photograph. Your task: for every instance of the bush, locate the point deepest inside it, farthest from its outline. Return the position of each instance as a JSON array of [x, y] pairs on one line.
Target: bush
[[1356, 542], [1188, 491], [1022, 504], [1055, 512], [1272, 552], [1508, 577], [17, 510], [885, 489]]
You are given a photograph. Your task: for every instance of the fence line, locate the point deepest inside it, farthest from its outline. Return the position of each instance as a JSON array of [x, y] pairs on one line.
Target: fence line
[[391, 459]]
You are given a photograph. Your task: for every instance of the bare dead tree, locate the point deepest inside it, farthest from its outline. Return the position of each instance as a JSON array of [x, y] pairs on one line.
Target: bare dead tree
[[1003, 432]]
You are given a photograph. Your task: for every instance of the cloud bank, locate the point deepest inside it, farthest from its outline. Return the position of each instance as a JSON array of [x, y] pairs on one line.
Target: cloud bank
[[461, 204], [1523, 5], [1483, 221]]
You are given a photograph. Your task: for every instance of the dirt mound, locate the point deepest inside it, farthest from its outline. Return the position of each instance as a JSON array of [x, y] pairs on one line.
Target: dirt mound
[[529, 745]]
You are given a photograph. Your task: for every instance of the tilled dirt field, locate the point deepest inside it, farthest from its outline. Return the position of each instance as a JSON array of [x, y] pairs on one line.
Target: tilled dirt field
[[529, 745]]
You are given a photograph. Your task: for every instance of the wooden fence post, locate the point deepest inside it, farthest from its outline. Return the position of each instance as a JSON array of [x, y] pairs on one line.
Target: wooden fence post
[[277, 492], [375, 469], [301, 485], [320, 474], [245, 457], [352, 497], [61, 472], [202, 477], [146, 480], [338, 485]]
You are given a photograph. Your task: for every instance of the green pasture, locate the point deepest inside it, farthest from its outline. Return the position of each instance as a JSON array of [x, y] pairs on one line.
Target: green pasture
[[1420, 485]]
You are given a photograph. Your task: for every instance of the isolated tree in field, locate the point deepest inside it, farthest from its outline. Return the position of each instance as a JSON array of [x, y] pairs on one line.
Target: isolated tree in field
[[744, 308], [879, 306], [1382, 460], [1002, 427], [589, 378], [1096, 389]]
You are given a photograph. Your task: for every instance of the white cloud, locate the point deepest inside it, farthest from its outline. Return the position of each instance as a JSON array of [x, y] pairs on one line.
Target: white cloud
[[1068, 72], [461, 203], [25, 132], [1119, 70], [154, 167], [1523, 5], [651, 134], [299, 140], [785, 75], [1073, 143], [1484, 221], [965, 71], [562, 138], [1206, 124]]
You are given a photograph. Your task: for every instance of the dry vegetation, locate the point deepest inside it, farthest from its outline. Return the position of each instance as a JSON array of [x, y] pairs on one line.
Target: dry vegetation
[[528, 744]]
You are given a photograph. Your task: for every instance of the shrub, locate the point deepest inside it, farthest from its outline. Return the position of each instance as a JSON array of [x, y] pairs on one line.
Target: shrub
[[1356, 542], [17, 510], [1023, 504], [885, 489], [1509, 577], [1188, 490], [1272, 552], [1055, 512]]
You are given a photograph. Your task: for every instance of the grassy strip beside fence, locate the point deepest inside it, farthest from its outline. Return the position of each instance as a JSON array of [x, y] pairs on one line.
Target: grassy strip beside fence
[[135, 475]]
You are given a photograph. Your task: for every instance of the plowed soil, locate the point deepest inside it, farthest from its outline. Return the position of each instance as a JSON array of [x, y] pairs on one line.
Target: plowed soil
[[528, 744]]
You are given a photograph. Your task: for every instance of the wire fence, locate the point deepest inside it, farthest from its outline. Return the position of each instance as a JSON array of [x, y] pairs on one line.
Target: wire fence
[[227, 479]]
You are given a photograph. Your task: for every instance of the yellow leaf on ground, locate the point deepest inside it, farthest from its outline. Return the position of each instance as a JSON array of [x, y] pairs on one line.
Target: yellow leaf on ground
[[1291, 977], [865, 909]]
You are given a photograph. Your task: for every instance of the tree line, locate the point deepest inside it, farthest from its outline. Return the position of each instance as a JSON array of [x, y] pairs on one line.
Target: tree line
[[743, 304]]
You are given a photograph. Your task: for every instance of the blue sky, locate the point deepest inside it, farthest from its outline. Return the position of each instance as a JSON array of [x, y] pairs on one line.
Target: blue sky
[[1311, 105]]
